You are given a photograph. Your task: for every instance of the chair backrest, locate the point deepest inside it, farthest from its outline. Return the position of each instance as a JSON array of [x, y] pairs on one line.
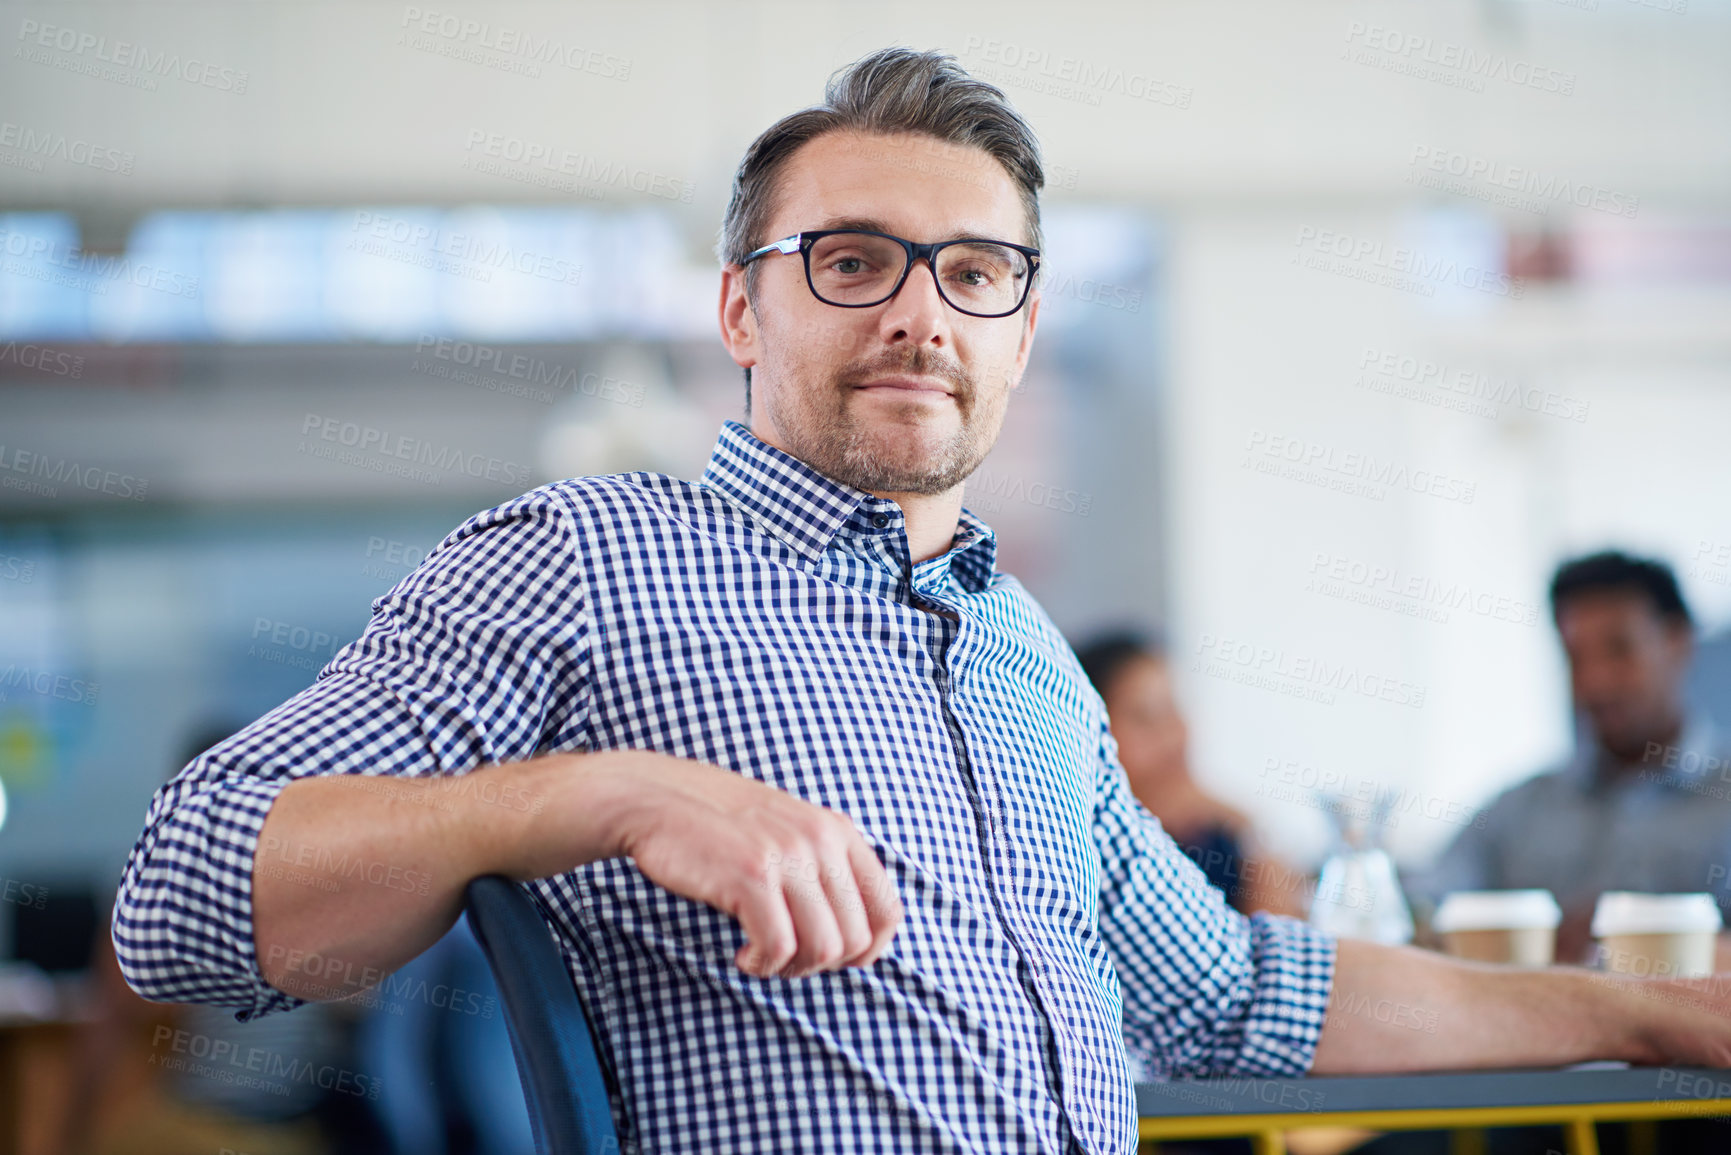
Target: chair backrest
[[562, 1079]]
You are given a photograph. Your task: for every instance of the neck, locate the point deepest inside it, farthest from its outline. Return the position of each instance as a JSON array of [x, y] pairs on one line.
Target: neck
[[1634, 755], [931, 521]]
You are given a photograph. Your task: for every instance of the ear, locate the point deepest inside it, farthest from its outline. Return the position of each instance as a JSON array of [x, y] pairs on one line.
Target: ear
[[1027, 343], [738, 322], [1030, 321]]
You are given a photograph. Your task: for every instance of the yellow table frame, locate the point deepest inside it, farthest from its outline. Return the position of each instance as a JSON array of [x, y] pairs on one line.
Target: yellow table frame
[[1267, 1132]]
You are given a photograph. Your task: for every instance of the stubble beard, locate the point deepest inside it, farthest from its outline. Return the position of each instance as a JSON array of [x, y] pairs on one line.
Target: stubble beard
[[824, 430]]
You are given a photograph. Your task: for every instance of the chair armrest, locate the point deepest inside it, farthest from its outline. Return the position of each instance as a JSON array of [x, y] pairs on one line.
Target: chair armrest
[[563, 1083]]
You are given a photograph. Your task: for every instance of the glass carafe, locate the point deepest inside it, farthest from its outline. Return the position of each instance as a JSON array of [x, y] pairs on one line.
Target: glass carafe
[[1358, 894]]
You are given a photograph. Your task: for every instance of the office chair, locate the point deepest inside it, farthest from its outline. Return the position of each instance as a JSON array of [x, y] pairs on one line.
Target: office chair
[[562, 1081]]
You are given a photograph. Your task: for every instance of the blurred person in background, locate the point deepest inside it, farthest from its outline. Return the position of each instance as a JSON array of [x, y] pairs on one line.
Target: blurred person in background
[[1644, 803], [1132, 675]]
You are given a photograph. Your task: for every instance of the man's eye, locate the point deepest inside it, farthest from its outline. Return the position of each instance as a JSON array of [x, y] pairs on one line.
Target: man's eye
[[842, 265]]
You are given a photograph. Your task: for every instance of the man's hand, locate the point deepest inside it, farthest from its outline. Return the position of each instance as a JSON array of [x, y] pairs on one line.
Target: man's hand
[[1686, 1022], [803, 882]]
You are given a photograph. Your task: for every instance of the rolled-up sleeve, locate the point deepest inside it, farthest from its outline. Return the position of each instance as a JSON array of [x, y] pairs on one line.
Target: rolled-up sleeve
[[468, 661], [1206, 991]]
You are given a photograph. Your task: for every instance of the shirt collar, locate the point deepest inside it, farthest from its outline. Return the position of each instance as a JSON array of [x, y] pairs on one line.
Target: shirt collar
[[806, 509], [974, 554]]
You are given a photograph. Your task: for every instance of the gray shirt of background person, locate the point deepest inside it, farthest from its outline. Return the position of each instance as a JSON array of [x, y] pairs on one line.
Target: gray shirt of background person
[[1661, 825]]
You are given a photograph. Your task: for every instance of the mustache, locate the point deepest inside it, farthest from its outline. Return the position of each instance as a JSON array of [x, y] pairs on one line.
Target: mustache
[[920, 362]]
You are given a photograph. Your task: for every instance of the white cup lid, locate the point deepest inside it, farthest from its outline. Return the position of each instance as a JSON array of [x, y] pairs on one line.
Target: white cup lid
[[1629, 912], [1497, 910]]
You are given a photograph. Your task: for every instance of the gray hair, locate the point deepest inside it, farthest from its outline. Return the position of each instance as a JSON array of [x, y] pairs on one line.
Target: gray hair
[[893, 90]]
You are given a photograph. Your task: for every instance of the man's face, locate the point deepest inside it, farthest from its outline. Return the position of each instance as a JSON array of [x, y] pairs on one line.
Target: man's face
[[1626, 666], [902, 397]]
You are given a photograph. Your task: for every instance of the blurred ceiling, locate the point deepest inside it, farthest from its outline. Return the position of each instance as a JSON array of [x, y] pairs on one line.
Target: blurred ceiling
[[1183, 104]]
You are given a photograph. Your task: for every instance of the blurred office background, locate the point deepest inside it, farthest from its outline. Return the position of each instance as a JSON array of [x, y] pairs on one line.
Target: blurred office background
[[1359, 318]]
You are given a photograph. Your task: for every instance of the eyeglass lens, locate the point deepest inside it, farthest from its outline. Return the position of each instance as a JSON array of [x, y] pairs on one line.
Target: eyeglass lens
[[861, 269]]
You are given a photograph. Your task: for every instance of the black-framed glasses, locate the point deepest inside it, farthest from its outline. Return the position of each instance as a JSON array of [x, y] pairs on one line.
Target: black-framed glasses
[[858, 268]]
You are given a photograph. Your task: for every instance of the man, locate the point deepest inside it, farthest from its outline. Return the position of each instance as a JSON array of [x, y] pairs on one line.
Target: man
[[1645, 802], [819, 804]]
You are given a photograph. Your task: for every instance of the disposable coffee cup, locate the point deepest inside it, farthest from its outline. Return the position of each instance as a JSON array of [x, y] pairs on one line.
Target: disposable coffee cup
[[1500, 926], [1656, 935]]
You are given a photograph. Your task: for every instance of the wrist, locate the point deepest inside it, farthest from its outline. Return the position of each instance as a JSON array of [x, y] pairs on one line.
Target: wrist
[[566, 813], [627, 801], [1619, 1009]]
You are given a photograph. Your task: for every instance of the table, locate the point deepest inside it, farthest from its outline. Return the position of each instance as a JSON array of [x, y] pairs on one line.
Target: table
[[1576, 1098]]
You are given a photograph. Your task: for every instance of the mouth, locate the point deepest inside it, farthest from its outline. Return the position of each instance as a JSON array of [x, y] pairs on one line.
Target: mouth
[[906, 385]]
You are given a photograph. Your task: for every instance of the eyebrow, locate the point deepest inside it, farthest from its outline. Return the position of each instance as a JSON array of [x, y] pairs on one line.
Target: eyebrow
[[872, 224]]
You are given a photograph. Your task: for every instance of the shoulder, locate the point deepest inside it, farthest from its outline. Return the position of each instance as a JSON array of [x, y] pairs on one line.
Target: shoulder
[[546, 530], [1535, 789], [597, 503], [602, 494]]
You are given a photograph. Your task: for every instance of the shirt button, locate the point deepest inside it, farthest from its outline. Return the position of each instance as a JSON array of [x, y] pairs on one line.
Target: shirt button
[[880, 519]]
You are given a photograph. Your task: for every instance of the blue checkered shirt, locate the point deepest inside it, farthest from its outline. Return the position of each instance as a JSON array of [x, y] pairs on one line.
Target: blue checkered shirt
[[1057, 944]]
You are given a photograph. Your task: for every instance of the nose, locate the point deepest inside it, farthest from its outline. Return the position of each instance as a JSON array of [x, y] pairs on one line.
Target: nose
[[916, 314]]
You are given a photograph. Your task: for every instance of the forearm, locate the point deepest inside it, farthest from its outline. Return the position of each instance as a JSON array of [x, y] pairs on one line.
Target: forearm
[[1403, 1009], [354, 875]]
